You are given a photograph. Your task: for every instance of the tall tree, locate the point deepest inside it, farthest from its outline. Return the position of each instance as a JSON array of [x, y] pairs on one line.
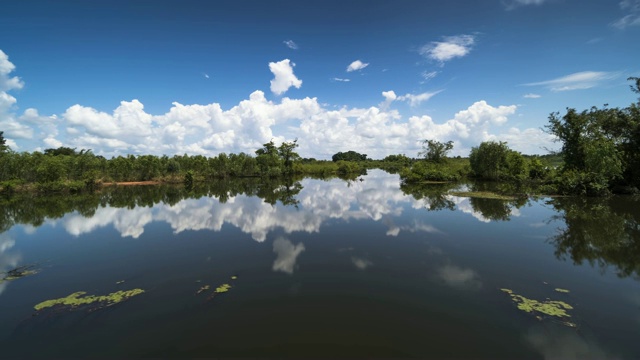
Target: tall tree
[[3, 143], [435, 151]]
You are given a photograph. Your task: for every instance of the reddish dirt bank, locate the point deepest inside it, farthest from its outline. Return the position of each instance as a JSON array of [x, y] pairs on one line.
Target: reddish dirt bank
[[127, 183]]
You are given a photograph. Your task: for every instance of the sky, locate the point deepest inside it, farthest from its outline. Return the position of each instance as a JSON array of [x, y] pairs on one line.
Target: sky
[[377, 77]]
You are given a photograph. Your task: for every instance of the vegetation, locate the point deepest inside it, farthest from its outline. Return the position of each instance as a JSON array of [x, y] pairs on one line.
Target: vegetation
[[554, 308], [78, 299]]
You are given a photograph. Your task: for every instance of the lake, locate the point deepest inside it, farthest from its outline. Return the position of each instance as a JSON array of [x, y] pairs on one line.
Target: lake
[[320, 268]]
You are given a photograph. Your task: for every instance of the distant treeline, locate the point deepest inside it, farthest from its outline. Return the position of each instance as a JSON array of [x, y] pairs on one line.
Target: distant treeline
[[600, 154]]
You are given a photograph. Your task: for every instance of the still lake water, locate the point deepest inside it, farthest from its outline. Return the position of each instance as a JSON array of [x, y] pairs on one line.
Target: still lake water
[[324, 268]]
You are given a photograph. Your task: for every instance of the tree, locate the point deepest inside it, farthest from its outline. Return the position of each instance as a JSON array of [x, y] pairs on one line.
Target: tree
[[435, 151], [288, 155], [268, 160], [3, 143], [494, 160], [349, 156]]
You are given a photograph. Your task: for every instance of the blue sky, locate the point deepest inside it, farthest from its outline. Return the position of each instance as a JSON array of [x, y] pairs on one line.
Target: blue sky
[[204, 77]]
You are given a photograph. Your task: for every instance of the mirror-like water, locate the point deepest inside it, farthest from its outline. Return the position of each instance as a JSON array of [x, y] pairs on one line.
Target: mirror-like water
[[322, 268]]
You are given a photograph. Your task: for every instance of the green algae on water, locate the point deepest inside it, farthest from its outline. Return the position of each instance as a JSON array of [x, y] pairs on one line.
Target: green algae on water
[[561, 290], [78, 299], [548, 307]]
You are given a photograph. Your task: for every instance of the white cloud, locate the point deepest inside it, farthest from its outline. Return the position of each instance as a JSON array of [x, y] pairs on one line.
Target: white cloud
[[206, 76], [286, 255], [451, 47], [428, 75], [531, 96], [577, 81], [284, 77], [6, 81], [291, 44], [209, 129], [510, 5], [415, 100], [632, 7], [356, 65], [340, 79]]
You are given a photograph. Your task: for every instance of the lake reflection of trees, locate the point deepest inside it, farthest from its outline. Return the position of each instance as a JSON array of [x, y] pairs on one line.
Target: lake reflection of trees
[[603, 232], [434, 195], [33, 209]]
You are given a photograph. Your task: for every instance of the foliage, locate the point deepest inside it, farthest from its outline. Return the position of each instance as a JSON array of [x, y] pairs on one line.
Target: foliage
[[555, 308], [3, 143], [425, 171], [435, 151], [349, 156], [495, 161]]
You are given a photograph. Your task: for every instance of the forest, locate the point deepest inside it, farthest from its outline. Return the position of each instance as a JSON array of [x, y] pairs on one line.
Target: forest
[[599, 155]]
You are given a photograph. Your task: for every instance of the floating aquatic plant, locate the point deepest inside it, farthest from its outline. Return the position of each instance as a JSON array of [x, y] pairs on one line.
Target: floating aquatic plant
[[234, 277], [222, 288], [558, 309], [78, 299], [562, 290]]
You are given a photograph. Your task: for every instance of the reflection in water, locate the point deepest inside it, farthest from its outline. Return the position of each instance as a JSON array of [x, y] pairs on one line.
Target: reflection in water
[[287, 253], [459, 278], [584, 238], [411, 233], [8, 260], [361, 263], [554, 342]]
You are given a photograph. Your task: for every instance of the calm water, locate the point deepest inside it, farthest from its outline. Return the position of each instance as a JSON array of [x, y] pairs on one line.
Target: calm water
[[324, 268]]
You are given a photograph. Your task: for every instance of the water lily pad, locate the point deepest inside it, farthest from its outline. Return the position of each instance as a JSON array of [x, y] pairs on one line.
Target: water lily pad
[[80, 299]]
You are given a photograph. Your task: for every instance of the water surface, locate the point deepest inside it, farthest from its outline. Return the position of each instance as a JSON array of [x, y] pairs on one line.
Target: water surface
[[324, 268]]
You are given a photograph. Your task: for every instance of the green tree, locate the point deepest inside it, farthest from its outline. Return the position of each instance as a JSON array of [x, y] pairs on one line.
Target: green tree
[[268, 160], [435, 151], [288, 155], [3, 143], [349, 156]]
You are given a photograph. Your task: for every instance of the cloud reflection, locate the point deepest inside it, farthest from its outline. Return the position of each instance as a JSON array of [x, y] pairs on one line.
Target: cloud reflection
[[286, 255], [459, 277], [8, 261]]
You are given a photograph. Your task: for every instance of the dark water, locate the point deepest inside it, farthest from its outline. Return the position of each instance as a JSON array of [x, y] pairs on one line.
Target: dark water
[[324, 268]]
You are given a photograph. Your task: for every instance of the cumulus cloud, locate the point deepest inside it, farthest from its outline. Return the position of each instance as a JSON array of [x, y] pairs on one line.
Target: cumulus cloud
[[356, 65], [8, 82], [576, 81], [286, 255], [208, 129], [284, 77], [632, 18], [450, 48], [291, 44]]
